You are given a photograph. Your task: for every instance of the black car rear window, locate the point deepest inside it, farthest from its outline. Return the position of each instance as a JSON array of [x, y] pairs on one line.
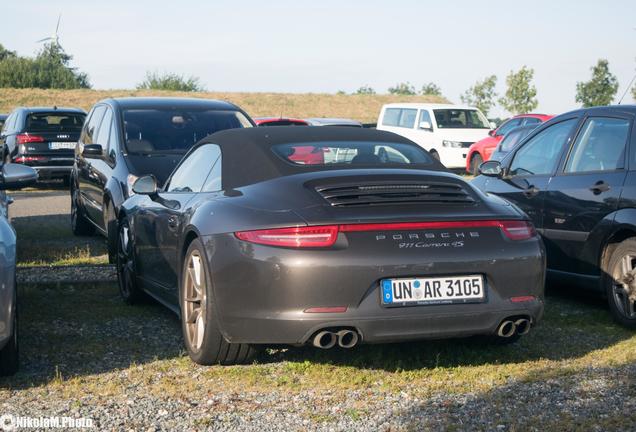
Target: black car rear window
[[55, 122], [354, 153], [175, 130]]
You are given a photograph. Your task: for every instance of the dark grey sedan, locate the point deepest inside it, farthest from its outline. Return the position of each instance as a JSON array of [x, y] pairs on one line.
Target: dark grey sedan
[[12, 176]]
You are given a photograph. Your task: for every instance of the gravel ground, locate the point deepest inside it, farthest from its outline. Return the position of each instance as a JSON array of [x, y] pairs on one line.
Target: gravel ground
[[599, 400], [86, 354], [67, 274]]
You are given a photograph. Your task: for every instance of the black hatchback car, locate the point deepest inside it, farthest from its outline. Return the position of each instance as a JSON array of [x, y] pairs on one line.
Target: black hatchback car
[[42, 138], [575, 176], [125, 138]]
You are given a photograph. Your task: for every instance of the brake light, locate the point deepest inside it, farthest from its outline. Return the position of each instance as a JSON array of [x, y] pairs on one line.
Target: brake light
[[518, 230], [326, 235], [297, 237], [26, 138]]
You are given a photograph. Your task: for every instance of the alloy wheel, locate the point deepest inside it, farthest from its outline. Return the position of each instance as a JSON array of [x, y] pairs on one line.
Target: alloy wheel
[[624, 284], [194, 301]]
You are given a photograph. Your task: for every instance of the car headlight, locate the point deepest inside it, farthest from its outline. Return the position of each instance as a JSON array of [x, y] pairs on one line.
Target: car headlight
[[130, 181], [451, 144]]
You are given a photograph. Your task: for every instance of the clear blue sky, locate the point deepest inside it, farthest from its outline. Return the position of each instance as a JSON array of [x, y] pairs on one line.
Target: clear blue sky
[[326, 46]]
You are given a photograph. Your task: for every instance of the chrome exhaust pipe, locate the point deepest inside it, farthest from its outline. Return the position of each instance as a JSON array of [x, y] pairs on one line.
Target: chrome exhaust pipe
[[523, 326], [506, 329], [325, 340], [347, 338]]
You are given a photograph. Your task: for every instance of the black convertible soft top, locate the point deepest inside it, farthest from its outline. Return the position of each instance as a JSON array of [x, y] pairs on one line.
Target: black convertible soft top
[[248, 157]]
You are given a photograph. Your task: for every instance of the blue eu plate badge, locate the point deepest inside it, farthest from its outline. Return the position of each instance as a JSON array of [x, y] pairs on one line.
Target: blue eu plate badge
[[387, 291]]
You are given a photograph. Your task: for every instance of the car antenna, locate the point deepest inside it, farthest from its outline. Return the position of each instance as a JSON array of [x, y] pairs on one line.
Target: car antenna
[[629, 86]]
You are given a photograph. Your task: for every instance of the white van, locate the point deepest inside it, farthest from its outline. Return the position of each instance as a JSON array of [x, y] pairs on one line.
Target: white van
[[446, 131]]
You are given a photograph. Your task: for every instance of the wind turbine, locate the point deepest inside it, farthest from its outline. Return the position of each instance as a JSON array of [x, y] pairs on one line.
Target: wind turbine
[[55, 38]]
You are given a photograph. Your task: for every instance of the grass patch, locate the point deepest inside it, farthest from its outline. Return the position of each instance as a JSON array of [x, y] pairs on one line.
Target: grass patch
[[48, 241], [89, 323]]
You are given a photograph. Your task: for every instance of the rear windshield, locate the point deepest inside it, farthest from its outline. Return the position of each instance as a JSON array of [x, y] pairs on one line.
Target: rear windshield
[[460, 119], [55, 122], [369, 154], [173, 130]]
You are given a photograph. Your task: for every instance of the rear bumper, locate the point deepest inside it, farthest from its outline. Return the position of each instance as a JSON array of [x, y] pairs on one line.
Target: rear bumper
[[261, 292], [53, 171]]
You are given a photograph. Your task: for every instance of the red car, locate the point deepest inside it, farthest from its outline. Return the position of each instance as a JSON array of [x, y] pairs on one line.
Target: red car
[[481, 150], [279, 121]]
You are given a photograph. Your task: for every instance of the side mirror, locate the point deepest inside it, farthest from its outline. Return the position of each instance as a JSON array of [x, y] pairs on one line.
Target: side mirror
[[426, 125], [92, 151], [491, 168], [146, 185], [492, 132], [17, 176]]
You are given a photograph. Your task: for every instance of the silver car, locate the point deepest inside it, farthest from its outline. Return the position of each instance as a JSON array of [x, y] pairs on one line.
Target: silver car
[[12, 176]]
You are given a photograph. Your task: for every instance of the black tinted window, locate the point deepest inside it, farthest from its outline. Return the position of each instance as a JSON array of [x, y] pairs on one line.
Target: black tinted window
[[54, 122], [174, 130]]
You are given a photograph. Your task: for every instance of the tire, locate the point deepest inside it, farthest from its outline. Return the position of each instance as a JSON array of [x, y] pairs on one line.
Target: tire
[[80, 225], [129, 288], [112, 232], [434, 154], [475, 161], [9, 355], [619, 280], [203, 339]]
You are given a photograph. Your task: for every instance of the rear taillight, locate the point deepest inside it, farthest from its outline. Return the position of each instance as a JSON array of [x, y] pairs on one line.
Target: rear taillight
[[518, 230], [297, 237], [25, 159], [326, 235], [25, 138]]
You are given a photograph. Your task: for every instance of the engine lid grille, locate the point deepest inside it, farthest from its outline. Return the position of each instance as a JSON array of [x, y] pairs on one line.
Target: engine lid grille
[[367, 194]]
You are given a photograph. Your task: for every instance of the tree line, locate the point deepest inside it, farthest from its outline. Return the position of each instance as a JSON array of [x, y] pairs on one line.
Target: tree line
[[521, 94], [51, 68]]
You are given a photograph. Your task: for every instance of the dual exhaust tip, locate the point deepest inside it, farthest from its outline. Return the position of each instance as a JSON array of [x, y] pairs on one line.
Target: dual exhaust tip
[[509, 328], [327, 339]]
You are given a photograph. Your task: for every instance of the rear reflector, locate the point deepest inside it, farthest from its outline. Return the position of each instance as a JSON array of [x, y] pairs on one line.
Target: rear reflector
[[336, 309], [26, 138], [522, 299], [326, 235]]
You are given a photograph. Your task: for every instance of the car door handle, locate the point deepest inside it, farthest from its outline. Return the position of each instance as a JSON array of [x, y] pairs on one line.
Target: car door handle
[[531, 191], [173, 222], [600, 187]]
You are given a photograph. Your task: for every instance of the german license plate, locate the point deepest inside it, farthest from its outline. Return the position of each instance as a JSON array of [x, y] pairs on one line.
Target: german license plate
[[437, 290], [61, 145]]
